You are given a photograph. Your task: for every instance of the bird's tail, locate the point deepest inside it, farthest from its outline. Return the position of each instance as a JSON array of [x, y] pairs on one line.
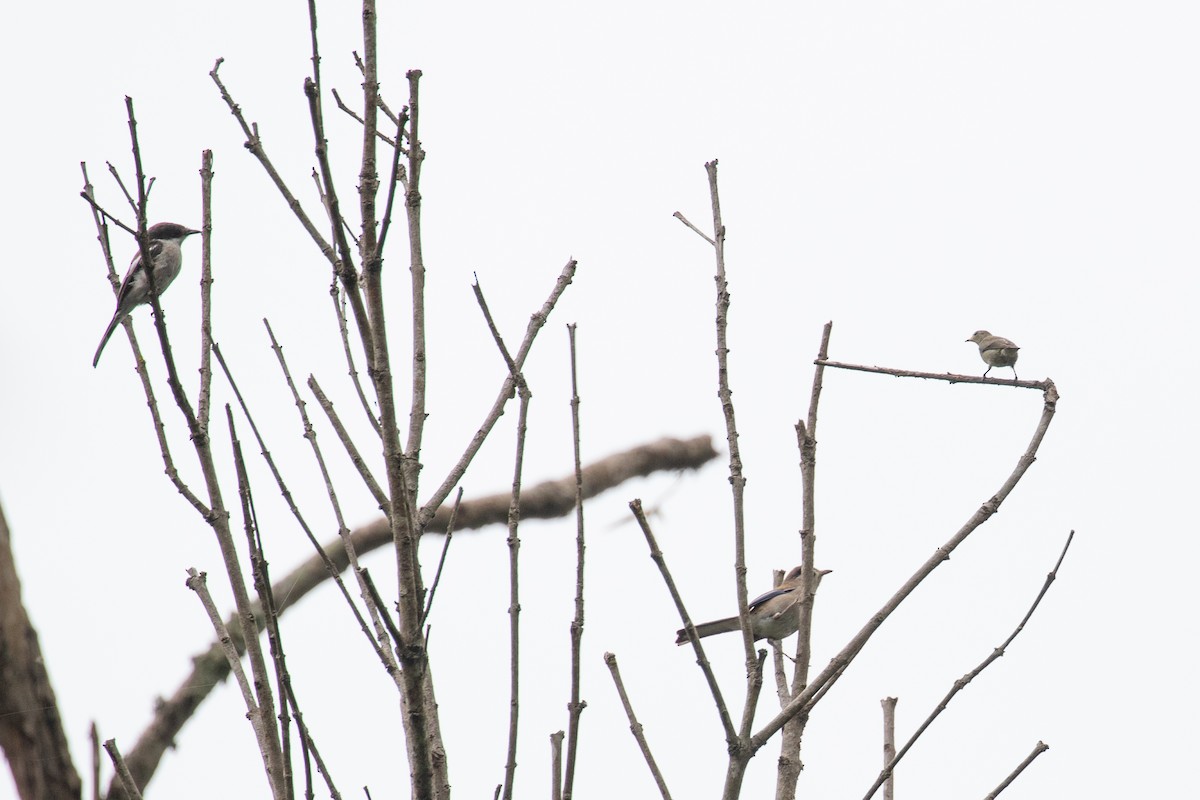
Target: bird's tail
[[112, 326], [710, 629]]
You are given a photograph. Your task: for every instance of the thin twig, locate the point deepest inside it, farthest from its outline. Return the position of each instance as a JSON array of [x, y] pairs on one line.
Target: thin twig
[[351, 450], [677, 215], [437, 576], [657, 556], [960, 684], [949, 377], [88, 194], [197, 582], [254, 144], [391, 115], [397, 638], [636, 727], [491, 323], [398, 178], [1038, 749], [339, 308], [123, 773], [258, 568], [355, 116]]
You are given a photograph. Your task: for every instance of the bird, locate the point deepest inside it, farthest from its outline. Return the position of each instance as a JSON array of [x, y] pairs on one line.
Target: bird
[[996, 351], [167, 257], [774, 615]]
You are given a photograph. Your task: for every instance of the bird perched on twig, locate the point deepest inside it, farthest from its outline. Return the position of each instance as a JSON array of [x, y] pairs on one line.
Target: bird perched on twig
[[996, 351], [166, 256], [774, 615]]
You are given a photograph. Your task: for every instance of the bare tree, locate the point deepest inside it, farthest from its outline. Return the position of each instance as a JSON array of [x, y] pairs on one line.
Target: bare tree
[[352, 237]]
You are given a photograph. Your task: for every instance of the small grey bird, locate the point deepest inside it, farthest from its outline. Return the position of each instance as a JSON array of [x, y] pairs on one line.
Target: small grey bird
[[774, 615], [167, 257], [996, 351]]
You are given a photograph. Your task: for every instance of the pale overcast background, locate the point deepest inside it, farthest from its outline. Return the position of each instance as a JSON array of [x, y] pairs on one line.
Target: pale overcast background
[[911, 171]]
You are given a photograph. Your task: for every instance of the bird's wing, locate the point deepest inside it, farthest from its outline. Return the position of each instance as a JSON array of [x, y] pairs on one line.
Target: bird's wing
[[762, 598], [999, 343], [135, 266]]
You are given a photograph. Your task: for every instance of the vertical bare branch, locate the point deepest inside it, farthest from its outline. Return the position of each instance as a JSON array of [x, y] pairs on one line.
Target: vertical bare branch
[[636, 727], [556, 740], [806, 436], [412, 203], [889, 744], [736, 479], [514, 603], [806, 439], [206, 175], [575, 706], [94, 737]]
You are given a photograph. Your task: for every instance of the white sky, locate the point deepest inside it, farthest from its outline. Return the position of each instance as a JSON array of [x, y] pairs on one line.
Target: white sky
[[912, 171]]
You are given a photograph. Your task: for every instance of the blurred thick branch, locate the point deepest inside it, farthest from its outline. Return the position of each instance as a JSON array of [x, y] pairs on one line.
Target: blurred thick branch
[[545, 500]]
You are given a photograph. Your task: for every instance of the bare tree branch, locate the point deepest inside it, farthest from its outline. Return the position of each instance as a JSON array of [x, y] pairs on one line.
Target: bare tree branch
[[960, 684], [936, 376], [837, 665], [575, 705], [636, 727]]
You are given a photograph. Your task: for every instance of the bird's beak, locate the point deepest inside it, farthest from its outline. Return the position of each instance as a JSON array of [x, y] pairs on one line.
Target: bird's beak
[[824, 571], [190, 232]]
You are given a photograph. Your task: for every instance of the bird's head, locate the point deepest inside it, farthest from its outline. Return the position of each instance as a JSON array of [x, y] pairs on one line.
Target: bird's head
[[169, 230]]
